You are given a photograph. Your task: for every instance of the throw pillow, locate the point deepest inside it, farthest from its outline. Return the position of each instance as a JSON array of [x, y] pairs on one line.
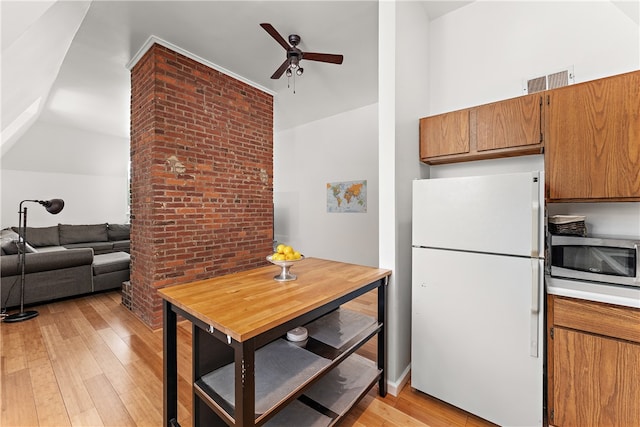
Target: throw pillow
[[41, 236], [82, 233], [9, 247], [119, 231]]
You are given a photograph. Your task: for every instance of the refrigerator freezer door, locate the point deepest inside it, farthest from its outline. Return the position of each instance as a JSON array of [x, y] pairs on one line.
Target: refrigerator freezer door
[[494, 213], [472, 334]]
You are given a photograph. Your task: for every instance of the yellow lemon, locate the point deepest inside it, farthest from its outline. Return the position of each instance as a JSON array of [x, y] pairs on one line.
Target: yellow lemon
[[280, 248], [287, 250], [297, 255]]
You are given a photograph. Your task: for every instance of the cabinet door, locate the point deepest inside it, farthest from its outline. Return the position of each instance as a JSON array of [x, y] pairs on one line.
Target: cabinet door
[[444, 134], [511, 123], [596, 380], [593, 140]]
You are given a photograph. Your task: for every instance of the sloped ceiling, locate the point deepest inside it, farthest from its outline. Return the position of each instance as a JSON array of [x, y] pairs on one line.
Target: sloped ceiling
[[64, 62], [32, 55], [73, 55]]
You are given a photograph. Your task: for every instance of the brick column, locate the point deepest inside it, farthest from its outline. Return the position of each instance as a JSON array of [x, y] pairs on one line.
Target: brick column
[[201, 176]]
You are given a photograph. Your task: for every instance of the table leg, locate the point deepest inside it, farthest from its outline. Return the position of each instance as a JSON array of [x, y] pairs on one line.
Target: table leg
[[170, 365], [382, 338], [245, 383]]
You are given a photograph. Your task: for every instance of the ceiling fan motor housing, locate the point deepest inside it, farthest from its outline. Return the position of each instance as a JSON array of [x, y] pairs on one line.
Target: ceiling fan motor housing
[[294, 39]]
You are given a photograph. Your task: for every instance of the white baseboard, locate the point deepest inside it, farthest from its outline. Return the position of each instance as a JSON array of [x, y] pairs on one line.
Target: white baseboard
[[394, 387]]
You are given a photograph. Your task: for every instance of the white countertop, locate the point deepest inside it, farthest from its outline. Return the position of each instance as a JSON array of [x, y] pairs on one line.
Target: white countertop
[[612, 294]]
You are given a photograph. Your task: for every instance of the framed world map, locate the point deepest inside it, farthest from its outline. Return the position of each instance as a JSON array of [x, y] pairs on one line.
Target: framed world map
[[347, 196]]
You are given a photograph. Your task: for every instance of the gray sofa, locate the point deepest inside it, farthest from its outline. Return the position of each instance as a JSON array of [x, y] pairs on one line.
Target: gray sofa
[[64, 261]]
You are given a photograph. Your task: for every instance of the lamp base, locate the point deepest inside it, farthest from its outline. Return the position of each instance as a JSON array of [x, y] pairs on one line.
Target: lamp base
[[19, 317]]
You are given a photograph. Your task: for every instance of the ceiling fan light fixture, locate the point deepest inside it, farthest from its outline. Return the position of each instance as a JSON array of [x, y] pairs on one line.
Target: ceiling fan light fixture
[[294, 55]]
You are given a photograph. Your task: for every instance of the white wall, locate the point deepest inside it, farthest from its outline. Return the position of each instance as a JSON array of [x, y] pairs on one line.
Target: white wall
[[88, 199], [88, 170], [409, 98], [482, 53], [306, 158]]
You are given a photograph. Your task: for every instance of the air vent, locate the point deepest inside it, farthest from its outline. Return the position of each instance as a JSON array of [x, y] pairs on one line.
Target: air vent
[[558, 79], [537, 85], [551, 81]]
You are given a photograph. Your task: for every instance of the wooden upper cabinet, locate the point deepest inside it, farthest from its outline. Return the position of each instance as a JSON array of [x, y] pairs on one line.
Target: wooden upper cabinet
[[444, 134], [512, 123], [592, 132], [500, 129]]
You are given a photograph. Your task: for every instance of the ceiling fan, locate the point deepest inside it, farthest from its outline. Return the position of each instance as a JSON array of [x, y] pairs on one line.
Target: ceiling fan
[[294, 55]]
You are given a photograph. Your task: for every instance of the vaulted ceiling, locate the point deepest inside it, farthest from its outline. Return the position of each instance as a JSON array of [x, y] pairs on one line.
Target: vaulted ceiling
[[66, 61]]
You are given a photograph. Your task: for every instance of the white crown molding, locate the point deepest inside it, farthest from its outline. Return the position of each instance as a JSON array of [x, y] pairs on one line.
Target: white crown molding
[[156, 40]]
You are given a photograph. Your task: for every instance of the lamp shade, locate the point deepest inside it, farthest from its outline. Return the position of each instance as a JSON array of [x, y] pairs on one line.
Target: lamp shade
[[53, 206]]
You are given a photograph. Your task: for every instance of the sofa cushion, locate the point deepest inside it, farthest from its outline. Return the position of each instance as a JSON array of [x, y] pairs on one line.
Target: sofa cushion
[[118, 231], [107, 263], [41, 236], [82, 233], [98, 247], [122, 246], [46, 261]]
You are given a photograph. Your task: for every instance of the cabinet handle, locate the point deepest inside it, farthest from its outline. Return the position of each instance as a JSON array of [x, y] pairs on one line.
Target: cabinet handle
[[540, 113]]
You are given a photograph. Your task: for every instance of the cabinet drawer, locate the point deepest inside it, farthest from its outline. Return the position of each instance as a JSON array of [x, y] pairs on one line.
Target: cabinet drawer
[[598, 318]]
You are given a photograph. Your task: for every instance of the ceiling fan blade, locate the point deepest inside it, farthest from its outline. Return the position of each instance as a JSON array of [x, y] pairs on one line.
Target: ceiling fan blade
[[323, 57], [280, 70], [272, 31]]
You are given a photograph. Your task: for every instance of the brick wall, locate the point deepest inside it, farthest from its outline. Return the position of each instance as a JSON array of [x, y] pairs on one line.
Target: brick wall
[[201, 176]]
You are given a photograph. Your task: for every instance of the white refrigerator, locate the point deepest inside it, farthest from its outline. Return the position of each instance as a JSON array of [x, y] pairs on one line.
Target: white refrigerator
[[477, 294]]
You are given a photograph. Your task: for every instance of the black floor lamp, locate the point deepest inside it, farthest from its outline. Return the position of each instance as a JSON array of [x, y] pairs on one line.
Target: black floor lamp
[[53, 206]]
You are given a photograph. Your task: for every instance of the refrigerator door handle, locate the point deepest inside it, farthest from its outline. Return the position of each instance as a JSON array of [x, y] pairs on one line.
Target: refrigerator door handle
[[535, 307], [535, 213]]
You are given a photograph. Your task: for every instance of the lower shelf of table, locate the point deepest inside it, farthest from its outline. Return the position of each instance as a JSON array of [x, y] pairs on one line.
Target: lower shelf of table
[[332, 396], [322, 376], [326, 401]]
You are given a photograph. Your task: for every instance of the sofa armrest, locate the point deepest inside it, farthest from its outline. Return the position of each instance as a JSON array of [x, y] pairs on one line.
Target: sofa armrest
[[45, 261]]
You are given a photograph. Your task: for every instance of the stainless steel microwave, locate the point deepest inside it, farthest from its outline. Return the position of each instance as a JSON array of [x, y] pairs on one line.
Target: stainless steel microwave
[[596, 259]]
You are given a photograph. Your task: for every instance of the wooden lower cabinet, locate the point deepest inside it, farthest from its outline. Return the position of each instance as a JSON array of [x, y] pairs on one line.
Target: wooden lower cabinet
[[593, 372]]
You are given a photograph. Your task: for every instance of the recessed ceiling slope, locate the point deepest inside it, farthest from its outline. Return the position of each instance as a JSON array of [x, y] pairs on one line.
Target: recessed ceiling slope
[[32, 55]]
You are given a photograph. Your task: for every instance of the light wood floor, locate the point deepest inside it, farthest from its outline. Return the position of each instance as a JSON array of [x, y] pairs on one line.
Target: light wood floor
[[90, 362]]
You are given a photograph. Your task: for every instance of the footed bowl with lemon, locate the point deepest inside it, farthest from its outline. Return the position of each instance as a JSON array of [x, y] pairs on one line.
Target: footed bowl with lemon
[[285, 256]]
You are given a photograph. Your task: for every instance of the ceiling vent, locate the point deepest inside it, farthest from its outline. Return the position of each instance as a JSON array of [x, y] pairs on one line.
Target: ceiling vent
[[550, 81]]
